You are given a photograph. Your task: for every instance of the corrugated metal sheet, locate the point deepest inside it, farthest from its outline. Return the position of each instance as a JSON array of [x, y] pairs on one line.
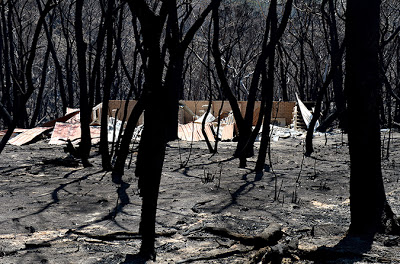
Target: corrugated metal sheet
[[61, 119], [14, 134], [28, 135], [64, 131]]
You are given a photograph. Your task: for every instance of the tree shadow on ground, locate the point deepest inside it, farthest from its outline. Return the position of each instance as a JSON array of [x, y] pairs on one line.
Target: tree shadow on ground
[[242, 189], [55, 192], [134, 259], [204, 164], [123, 199], [350, 249]]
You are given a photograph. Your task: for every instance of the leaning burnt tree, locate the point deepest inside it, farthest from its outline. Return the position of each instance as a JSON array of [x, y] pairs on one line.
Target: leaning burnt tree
[[370, 211]]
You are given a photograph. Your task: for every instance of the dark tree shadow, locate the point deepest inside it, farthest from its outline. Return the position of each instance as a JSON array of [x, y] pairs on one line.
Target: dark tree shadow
[[241, 190], [205, 164], [352, 248], [134, 259], [54, 194], [123, 199]]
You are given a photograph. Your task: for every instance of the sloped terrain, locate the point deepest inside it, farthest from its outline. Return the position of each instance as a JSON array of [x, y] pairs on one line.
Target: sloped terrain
[[56, 211]]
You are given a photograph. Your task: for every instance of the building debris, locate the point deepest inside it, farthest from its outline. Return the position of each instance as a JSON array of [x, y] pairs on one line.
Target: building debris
[[189, 128], [28, 135], [226, 132], [71, 112], [192, 132], [114, 127], [209, 118], [16, 132], [66, 131], [305, 113]]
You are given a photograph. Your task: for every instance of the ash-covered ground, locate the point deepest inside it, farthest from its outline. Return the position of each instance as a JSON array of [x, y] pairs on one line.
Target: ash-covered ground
[[56, 211]]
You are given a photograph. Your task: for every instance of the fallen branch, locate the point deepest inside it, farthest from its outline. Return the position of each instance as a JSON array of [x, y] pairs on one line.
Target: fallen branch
[[119, 235], [274, 254], [270, 236], [217, 256]]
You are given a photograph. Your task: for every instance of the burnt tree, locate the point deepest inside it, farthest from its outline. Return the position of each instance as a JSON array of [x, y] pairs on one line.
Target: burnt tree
[[370, 211], [22, 93], [85, 105]]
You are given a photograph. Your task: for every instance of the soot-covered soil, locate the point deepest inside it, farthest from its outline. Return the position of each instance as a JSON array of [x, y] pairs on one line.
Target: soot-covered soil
[[56, 211]]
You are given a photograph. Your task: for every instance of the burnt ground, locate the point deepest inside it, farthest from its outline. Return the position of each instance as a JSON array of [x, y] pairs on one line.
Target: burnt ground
[[56, 211]]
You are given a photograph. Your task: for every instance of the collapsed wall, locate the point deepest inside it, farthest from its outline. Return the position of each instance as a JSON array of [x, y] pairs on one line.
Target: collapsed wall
[[282, 112]]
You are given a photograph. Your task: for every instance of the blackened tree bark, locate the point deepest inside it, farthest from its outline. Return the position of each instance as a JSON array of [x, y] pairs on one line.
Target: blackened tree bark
[[123, 150], [41, 89], [24, 95], [156, 131], [336, 61], [123, 146], [268, 88], [110, 72], [94, 93], [68, 61], [245, 148], [57, 65], [153, 142], [85, 107], [283, 75], [318, 104], [6, 99], [370, 212], [177, 44]]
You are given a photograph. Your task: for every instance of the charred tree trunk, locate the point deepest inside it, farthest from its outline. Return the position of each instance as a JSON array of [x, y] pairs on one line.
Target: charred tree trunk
[[245, 148], [177, 46], [6, 89], [68, 63], [58, 68], [149, 165], [336, 60], [110, 70], [85, 107], [268, 85], [221, 73], [41, 89], [268, 89], [153, 141], [23, 96], [370, 212], [123, 149], [318, 104]]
